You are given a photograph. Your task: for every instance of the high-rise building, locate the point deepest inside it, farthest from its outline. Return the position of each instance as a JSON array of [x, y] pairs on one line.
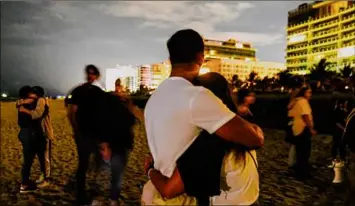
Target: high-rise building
[[160, 72], [145, 76], [230, 67], [128, 75], [230, 49], [322, 29]]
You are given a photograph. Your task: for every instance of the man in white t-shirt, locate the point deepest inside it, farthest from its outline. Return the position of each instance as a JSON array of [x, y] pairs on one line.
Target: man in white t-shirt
[[177, 111]]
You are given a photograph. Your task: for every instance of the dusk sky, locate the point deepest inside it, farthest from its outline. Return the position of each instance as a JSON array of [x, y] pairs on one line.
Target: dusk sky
[[49, 43]]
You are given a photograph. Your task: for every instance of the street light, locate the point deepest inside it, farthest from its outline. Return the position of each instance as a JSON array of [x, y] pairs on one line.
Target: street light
[[3, 95]]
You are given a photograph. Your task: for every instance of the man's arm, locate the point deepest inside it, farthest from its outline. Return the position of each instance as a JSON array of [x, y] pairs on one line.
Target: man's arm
[[71, 110], [209, 113], [167, 187], [38, 111], [240, 131]]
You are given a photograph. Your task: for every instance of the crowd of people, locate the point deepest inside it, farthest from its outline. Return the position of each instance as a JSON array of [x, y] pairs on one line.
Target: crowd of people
[[203, 143]]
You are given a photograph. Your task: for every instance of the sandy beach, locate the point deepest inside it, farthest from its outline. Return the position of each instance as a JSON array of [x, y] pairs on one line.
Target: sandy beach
[[278, 186]]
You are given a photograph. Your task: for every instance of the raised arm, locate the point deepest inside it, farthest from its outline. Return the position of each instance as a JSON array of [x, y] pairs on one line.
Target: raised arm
[[209, 112], [38, 111]]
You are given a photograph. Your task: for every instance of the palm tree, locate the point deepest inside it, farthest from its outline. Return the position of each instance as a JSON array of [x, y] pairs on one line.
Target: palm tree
[[252, 77], [347, 71], [236, 82], [321, 72], [284, 79]]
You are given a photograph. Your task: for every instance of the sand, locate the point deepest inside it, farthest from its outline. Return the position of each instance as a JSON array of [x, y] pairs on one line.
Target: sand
[[277, 187]]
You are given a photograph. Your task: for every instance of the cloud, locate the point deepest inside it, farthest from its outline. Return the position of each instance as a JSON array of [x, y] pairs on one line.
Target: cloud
[[165, 14], [201, 16]]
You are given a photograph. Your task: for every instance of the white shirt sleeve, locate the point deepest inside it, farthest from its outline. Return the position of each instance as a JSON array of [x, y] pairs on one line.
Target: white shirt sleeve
[[208, 111]]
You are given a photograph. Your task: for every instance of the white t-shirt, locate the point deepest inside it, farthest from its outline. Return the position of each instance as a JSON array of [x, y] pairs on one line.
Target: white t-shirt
[[242, 180], [175, 115], [300, 108]]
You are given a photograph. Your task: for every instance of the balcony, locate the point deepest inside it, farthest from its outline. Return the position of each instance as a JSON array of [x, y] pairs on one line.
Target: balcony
[[348, 27], [323, 34], [348, 36], [347, 19], [324, 42], [328, 50], [297, 64], [297, 48], [297, 56], [348, 9], [324, 18], [325, 25], [297, 26]]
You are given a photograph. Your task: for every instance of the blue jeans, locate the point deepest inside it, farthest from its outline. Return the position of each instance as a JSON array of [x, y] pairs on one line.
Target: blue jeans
[[118, 165], [32, 144]]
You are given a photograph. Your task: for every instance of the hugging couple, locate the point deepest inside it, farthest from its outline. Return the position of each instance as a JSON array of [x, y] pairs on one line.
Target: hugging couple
[[202, 152]]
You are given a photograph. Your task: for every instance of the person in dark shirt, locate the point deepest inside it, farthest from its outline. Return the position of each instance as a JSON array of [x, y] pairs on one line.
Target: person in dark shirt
[[116, 139], [28, 131], [83, 112], [340, 113]]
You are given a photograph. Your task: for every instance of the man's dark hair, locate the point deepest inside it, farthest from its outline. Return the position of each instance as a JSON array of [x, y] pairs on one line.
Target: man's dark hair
[[92, 69], [24, 91], [38, 90], [184, 45]]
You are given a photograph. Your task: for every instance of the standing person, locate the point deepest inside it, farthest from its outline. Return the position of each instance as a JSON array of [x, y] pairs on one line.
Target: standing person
[[303, 130], [340, 113], [177, 111], [83, 112], [27, 128], [349, 141], [40, 118], [207, 164], [244, 100], [116, 139], [289, 134], [119, 91]]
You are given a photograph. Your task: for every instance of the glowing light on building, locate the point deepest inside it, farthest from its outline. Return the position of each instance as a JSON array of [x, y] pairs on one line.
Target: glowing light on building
[[4, 95], [204, 71], [297, 38], [346, 52]]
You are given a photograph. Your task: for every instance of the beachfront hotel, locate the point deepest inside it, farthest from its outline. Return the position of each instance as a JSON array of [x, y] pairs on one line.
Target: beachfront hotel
[[242, 68], [322, 29], [230, 49]]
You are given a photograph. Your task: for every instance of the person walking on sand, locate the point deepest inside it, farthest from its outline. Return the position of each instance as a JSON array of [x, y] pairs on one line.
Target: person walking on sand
[[177, 111], [303, 130], [84, 117]]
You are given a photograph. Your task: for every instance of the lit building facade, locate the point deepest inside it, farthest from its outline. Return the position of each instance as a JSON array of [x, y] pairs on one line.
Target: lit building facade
[[128, 75], [145, 76], [230, 67], [160, 72], [230, 49], [322, 29]]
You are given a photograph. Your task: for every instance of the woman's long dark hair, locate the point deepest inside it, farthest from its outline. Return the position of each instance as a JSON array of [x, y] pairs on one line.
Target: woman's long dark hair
[[218, 85], [302, 92]]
